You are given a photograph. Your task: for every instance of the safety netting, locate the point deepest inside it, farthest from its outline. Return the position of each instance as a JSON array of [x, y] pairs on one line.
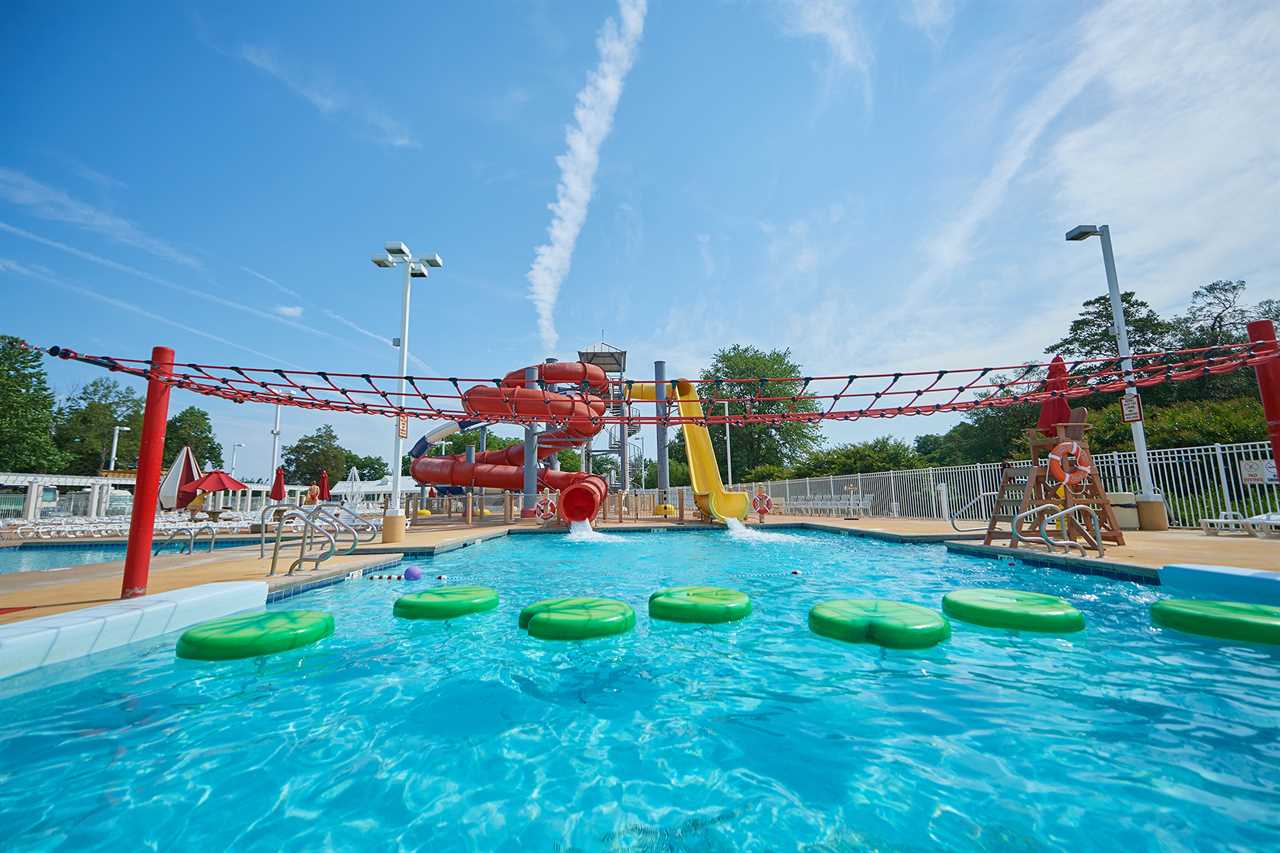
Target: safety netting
[[752, 400]]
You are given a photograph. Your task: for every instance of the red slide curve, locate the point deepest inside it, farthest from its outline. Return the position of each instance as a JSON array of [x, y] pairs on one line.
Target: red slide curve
[[580, 494]]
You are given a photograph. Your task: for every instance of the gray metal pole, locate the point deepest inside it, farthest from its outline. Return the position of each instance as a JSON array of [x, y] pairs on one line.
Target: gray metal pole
[[398, 448], [728, 448], [660, 392], [275, 443], [530, 454], [1145, 482], [471, 460]]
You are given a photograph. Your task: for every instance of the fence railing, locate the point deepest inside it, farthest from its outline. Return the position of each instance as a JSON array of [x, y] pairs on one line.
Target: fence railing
[[1196, 482]]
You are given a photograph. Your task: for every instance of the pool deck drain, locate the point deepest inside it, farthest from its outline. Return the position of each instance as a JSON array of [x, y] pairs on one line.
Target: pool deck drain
[[24, 595]]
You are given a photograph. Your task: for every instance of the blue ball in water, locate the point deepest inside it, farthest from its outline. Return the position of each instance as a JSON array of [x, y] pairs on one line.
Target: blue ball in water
[[413, 573]]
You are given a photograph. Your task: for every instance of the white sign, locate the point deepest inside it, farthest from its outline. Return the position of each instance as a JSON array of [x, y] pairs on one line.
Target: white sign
[[402, 428], [1258, 472], [1131, 408]]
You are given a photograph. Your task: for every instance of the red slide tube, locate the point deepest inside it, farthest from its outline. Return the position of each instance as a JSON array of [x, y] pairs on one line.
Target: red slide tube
[[1268, 381], [146, 491]]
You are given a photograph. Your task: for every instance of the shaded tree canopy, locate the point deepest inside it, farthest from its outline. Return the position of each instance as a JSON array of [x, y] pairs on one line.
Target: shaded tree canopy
[[27, 412], [85, 424]]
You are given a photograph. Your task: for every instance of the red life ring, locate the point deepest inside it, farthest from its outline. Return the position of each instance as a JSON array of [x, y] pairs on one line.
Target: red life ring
[[762, 504], [1081, 460], [545, 508]]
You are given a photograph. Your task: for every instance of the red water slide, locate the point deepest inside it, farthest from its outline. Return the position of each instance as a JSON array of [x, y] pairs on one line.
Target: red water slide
[[578, 414]]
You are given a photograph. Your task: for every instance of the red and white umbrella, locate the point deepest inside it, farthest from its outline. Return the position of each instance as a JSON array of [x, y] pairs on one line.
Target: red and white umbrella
[[184, 471]]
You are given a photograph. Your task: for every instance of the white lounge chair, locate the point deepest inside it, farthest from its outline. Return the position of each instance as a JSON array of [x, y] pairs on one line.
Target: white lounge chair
[[1231, 522], [1265, 526]]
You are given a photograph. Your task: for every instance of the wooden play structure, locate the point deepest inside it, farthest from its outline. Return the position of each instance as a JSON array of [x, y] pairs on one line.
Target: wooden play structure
[[1059, 501]]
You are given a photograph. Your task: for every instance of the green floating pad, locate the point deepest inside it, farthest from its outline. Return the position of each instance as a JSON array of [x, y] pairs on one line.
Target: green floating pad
[[577, 618], [254, 634], [892, 624], [1226, 620], [446, 602], [1014, 609], [705, 604]]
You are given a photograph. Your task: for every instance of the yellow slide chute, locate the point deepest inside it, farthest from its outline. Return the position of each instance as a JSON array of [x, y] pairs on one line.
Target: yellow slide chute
[[704, 474]]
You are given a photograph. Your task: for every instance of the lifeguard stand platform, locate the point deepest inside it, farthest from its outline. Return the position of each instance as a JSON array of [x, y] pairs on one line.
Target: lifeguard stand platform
[[1028, 496]]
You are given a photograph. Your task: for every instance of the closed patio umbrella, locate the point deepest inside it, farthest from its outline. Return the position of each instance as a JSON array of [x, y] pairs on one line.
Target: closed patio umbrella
[[277, 486], [324, 485], [1054, 410], [184, 471]]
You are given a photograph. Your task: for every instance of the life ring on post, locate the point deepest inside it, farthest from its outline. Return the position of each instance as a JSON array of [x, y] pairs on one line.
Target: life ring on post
[[762, 504], [546, 508], [1080, 460]]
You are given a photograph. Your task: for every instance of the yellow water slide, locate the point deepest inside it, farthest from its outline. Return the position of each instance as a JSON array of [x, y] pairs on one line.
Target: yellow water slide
[[704, 473]]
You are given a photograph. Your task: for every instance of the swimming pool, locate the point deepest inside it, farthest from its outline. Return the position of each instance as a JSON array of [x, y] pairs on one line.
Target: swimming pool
[[42, 556], [758, 735]]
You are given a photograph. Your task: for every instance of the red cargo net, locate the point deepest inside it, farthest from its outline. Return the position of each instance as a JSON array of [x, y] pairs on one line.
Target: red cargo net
[[835, 398]]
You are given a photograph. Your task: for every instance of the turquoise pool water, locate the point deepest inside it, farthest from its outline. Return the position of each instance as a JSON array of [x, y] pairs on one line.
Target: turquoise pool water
[[758, 736], [39, 556]]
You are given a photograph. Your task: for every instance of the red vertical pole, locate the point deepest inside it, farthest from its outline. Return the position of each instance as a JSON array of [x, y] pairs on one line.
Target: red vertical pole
[[146, 491], [1268, 381]]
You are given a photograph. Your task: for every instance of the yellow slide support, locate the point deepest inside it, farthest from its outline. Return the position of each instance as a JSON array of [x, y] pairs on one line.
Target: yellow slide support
[[704, 474]]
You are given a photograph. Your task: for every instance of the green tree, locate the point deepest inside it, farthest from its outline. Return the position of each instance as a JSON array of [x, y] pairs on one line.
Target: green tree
[[26, 411], [757, 444], [882, 454], [192, 428], [85, 424], [1183, 424], [309, 455], [1092, 334], [370, 467], [765, 473]]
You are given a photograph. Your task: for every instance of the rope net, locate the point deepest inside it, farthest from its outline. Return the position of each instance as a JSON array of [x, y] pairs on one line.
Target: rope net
[[752, 400]]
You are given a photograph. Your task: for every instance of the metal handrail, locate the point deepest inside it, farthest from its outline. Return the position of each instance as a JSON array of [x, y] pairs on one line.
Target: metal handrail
[[308, 527], [1097, 542], [174, 535], [339, 526], [953, 516], [262, 523], [1015, 536], [357, 521], [213, 536]]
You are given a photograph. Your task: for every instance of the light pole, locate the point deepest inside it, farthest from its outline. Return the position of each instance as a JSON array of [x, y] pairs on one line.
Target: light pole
[[643, 462], [397, 253], [275, 443], [115, 442], [728, 450], [1149, 503], [235, 450]]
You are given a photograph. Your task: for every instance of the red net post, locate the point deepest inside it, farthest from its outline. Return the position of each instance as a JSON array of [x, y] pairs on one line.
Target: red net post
[[146, 492], [1264, 331]]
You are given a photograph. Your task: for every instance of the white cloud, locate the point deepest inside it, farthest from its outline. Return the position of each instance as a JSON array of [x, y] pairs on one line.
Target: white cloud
[[931, 17], [324, 93], [835, 23], [189, 292], [593, 119], [54, 205], [41, 274], [288, 291], [382, 339], [289, 310]]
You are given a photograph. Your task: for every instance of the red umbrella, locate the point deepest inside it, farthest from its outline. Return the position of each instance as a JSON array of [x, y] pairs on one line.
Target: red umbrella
[[214, 481], [277, 486], [324, 485], [1055, 410]]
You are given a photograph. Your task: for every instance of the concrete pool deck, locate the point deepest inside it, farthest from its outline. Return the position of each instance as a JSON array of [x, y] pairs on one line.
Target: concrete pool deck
[[26, 595]]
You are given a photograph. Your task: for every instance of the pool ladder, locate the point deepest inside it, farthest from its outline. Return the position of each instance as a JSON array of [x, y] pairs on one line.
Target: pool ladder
[[1047, 515], [192, 534], [309, 530]]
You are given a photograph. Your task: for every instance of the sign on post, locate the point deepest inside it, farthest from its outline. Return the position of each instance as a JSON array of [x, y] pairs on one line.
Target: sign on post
[[1259, 472], [1131, 408], [403, 427]]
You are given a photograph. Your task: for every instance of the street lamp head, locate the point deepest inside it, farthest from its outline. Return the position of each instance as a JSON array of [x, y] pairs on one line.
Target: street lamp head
[[384, 261], [124, 429], [397, 249], [417, 271], [1082, 232], [433, 260]]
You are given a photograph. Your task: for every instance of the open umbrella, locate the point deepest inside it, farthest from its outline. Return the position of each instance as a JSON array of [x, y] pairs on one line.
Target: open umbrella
[[277, 486], [324, 485], [214, 481], [184, 471], [1054, 410]]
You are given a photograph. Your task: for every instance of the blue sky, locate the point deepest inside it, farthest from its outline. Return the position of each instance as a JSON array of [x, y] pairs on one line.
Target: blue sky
[[875, 185]]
